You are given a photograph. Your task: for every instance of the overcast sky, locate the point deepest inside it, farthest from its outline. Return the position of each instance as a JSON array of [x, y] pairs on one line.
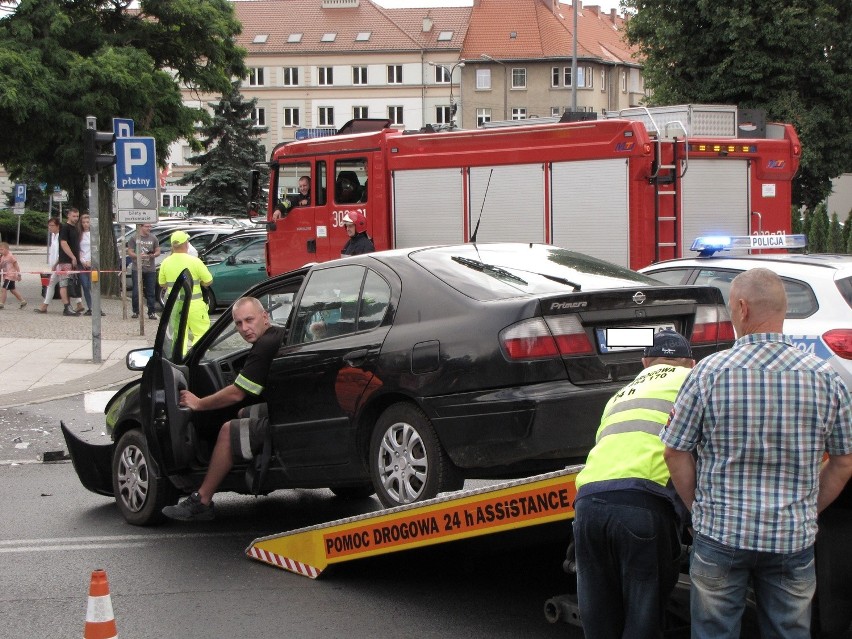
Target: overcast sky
[[606, 5]]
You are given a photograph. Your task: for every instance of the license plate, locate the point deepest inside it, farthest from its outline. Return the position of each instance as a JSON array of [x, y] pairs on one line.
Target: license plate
[[628, 338]]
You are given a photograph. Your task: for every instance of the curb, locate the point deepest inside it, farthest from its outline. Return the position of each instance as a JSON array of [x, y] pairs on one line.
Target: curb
[[114, 375]]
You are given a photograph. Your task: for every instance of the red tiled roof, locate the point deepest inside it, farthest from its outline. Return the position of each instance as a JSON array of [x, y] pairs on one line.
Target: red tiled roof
[[390, 29], [543, 29]]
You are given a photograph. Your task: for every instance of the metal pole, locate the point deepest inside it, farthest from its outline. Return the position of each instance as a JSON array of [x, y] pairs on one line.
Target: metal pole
[[94, 219], [574, 62]]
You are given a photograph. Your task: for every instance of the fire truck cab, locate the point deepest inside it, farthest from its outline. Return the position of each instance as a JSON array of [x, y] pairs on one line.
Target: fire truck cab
[[627, 189]]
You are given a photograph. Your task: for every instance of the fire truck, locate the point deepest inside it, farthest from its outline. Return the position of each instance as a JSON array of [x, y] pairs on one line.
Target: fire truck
[[632, 188]]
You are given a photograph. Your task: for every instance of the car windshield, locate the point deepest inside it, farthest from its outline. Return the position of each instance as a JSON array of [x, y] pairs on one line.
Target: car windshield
[[497, 271], [221, 252]]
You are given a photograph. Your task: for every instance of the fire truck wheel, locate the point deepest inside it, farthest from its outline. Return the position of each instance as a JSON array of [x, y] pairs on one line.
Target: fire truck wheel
[[139, 493], [407, 462]]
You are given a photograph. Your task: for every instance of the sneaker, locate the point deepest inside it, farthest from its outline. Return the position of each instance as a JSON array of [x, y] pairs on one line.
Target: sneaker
[[69, 313], [152, 316], [24, 304], [88, 312], [135, 316], [190, 509]]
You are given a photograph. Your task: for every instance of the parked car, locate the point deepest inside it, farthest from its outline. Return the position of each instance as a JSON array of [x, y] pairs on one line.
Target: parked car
[[233, 276], [819, 293], [220, 249], [402, 373]]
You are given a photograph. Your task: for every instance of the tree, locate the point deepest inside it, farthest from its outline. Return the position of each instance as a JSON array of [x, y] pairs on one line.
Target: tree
[[792, 59], [835, 236], [62, 60], [221, 179], [847, 233], [818, 229]]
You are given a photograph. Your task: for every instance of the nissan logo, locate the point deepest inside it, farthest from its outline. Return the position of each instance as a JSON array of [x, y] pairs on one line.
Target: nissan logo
[[639, 297]]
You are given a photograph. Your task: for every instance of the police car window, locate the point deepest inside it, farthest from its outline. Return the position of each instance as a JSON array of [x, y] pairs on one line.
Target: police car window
[[329, 304], [845, 287], [801, 301], [672, 276]]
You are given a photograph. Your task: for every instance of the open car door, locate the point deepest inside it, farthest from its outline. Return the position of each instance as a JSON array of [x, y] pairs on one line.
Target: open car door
[[167, 426]]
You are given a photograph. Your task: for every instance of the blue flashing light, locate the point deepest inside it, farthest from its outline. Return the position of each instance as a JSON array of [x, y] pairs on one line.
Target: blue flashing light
[[709, 244]]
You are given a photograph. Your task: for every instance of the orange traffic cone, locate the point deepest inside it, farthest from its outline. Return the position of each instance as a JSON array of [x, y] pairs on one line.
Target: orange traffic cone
[[100, 622]]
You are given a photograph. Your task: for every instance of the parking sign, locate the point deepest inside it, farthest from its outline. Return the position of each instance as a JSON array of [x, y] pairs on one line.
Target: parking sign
[[135, 163]]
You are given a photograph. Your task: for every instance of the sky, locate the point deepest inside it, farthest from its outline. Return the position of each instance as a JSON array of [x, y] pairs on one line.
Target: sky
[[605, 5]]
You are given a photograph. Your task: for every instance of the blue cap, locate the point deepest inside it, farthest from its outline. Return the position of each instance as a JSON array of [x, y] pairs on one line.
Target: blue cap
[[669, 343]]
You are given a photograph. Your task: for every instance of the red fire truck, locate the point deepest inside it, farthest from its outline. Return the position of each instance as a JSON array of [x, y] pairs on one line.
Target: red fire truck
[[631, 189]]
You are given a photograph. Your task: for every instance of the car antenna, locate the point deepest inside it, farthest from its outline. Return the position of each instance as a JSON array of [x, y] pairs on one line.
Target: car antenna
[[482, 208]]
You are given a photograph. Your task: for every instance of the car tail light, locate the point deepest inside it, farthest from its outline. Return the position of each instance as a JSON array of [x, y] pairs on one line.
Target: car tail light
[[839, 340], [712, 324], [539, 338]]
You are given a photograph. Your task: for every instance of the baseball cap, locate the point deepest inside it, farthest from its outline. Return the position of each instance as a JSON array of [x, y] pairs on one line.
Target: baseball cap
[[669, 343], [179, 237]]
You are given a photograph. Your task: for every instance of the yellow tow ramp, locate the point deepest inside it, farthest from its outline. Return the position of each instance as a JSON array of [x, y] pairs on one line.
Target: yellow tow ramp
[[510, 505]]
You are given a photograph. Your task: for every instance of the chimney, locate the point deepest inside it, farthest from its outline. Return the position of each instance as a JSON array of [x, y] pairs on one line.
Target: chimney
[[427, 24], [613, 13]]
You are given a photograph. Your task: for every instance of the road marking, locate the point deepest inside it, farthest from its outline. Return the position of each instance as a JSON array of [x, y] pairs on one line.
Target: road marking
[[96, 401], [100, 542]]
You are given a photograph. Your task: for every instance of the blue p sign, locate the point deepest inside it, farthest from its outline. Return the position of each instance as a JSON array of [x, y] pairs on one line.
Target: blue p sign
[[20, 193]]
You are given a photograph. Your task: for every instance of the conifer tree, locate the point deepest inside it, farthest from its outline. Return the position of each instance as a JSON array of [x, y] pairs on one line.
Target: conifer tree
[[818, 238], [835, 236]]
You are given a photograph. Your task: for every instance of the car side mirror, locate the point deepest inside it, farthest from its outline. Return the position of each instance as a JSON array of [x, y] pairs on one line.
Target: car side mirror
[[231, 260], [138, 359]]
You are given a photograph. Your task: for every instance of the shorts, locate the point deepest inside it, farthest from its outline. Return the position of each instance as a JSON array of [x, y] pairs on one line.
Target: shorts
[[9, 285], [63, 276], [248, 432]]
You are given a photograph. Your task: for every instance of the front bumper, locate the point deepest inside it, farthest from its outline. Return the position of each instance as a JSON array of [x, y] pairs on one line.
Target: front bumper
[[92, 462]]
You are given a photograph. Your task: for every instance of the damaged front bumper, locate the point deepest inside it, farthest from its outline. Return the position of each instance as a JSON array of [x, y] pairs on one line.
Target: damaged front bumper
[[92, 462]]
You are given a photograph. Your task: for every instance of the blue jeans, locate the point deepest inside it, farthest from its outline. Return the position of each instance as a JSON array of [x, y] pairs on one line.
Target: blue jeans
[[784, 586], [86, 286], [149, 288], [628, 558]]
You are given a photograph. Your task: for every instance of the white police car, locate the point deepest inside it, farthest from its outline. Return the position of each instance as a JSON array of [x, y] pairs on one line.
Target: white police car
[[819, 288]]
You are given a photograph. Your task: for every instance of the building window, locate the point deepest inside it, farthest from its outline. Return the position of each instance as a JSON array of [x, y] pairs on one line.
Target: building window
[[442, 75], [483, 116], [258, 116], [359, 75], [326, 116], [624, 81], [291, 116], [256, 77], [603, 80], [445, 36], [556, 72], [326, 76], [363, 36], [443, 114], [585, 79], [394, 74], [360, 112], [328, 37], [519, 78], [294, 37], [555, 112], [519, 113], [395, 114], [483, 79], [260, 38], [567, 73], [291, 76]]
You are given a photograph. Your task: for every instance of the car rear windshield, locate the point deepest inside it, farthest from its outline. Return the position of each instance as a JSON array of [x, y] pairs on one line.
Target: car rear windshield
[[497, 271], [845, 287]]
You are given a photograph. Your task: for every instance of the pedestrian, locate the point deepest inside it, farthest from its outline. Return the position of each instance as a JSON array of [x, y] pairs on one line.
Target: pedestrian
[[69, 258], [198, 320], [143, 249], [11, 273], [53, 225], [628, 517], [86, 261], [745, 446], [356, 228], [239, 439]]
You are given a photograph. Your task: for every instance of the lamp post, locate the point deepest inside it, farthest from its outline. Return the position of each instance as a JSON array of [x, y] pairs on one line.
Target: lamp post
[[505, 83], [451, 70]]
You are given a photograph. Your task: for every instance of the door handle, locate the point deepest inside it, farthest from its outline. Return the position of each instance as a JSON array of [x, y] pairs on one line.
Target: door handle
[[356, 357]]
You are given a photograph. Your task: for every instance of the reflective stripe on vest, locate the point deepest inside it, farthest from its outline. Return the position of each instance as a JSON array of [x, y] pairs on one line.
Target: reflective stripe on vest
[[196, 291], [652, 425]]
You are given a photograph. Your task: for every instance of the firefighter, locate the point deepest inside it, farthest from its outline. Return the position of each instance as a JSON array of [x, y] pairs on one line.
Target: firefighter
[[198, 320], [356, 229], [627, 513]]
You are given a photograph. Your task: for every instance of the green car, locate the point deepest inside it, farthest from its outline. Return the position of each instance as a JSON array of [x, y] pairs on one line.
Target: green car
[[242, 269]]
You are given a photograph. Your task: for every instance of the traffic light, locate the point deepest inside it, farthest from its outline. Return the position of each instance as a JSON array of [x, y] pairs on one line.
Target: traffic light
[[93, 161]]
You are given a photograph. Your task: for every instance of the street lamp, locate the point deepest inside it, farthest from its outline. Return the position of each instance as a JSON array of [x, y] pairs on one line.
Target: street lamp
[[451, 70], [505, 83]]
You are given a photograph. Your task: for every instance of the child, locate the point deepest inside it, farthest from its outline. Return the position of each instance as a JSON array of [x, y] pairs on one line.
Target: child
[[11, 274]]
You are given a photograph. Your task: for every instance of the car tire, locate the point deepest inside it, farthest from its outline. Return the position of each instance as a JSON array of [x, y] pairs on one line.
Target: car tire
[[407, 462], [210, 299], [139, 493], [353, 492]]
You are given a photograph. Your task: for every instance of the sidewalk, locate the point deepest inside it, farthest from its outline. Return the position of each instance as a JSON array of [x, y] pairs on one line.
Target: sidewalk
[[48, 356]]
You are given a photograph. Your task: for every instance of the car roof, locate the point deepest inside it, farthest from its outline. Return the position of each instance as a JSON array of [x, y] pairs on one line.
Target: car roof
[[838, 262]]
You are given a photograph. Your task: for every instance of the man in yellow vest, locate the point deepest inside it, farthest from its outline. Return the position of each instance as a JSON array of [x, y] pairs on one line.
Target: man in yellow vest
[[198, 320], [627, 513]]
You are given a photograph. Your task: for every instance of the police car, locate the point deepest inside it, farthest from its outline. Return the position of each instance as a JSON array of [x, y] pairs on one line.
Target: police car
[[819, 287]]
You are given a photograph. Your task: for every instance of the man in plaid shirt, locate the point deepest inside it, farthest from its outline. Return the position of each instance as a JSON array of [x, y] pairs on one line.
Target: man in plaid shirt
[[744, 445]]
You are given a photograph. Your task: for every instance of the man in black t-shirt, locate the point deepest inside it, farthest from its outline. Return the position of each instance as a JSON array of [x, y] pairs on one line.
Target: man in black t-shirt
[[69, 257], [240, 438]]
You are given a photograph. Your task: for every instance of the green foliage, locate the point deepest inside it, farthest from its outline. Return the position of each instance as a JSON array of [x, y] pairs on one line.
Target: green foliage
[[796, 221], [835, 236], [818, 229], [847, 233], [33, 227], [230, 140], [792, 59], [61, 61]]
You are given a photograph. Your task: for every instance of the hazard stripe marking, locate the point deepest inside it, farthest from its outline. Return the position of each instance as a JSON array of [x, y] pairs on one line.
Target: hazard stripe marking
[[525, 502]]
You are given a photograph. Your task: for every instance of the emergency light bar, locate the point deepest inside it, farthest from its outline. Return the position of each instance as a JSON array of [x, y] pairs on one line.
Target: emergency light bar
[[709, 244]]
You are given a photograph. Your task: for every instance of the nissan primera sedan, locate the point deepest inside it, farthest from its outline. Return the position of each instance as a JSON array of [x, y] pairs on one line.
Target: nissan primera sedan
[[402, 373]]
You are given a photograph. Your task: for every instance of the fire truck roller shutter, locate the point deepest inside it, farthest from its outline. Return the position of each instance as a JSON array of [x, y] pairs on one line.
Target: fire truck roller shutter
[[591, 208], [428, 207], [514, 204], [716, 199]]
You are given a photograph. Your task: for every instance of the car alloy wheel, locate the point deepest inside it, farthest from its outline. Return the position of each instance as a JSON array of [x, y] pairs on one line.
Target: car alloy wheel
[[139, 493]]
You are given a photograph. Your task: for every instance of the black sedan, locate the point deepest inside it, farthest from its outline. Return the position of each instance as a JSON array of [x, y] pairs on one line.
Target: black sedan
[[402, 373]]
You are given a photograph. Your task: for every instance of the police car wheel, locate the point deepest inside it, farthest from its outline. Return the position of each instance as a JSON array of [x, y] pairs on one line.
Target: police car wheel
[[407, 462], [139, 493]]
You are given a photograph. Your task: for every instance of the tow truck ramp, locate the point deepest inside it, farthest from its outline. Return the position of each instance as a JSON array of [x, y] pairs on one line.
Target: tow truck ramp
[[464, 514]]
